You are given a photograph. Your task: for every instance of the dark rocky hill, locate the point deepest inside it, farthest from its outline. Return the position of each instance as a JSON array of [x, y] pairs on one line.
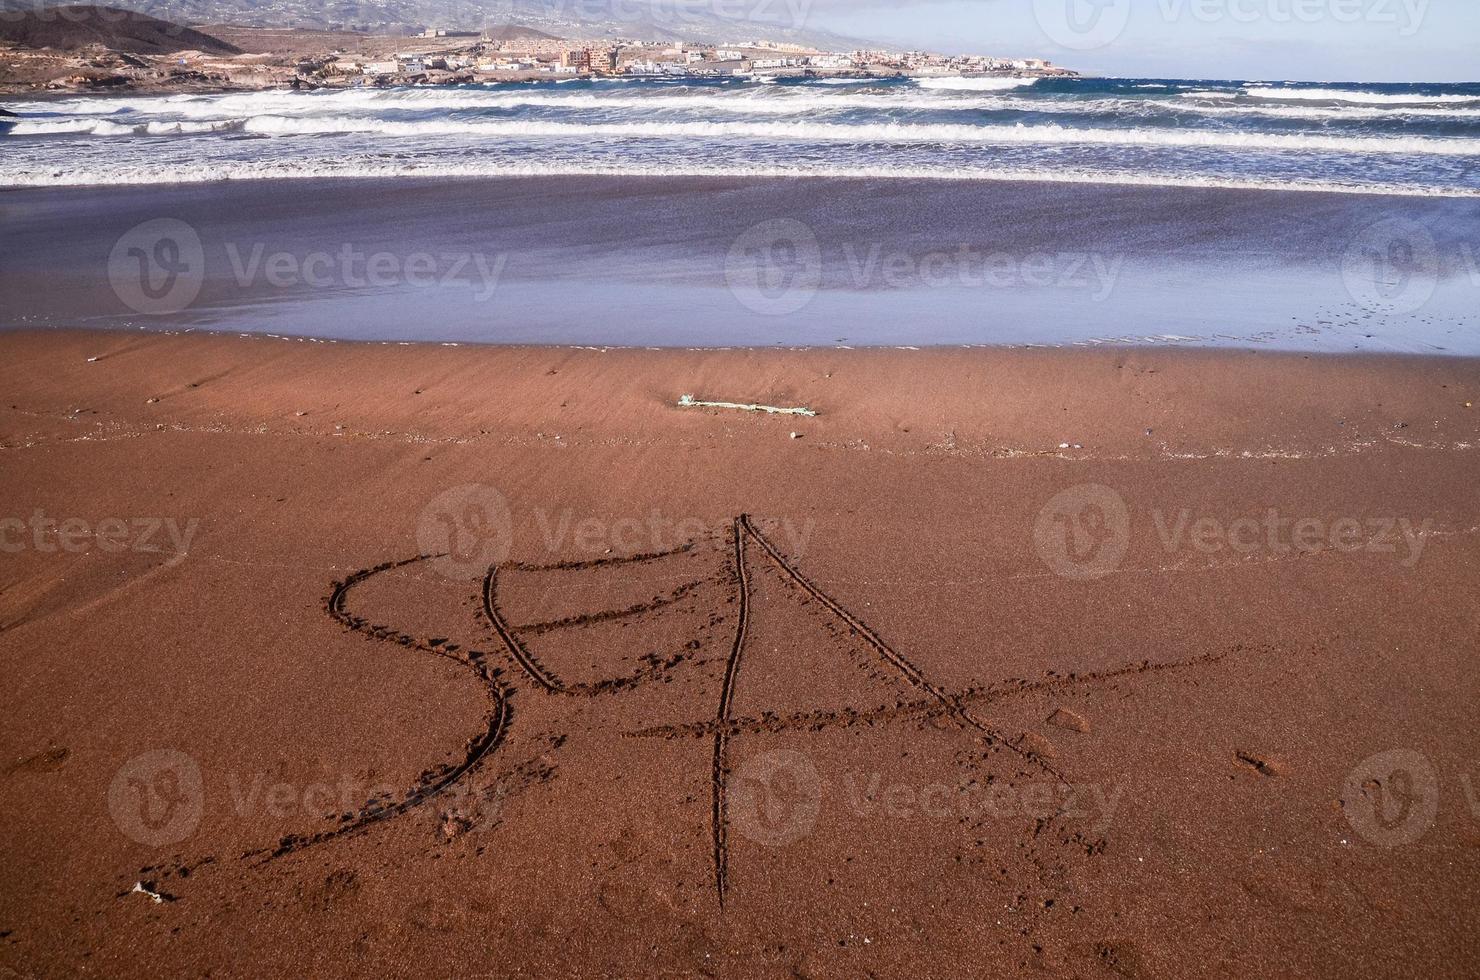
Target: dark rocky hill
[[73, 27]]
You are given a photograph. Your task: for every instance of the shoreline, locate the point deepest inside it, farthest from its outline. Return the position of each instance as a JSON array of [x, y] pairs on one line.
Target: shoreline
[[839, 174], [749, 262], [1156, 346]]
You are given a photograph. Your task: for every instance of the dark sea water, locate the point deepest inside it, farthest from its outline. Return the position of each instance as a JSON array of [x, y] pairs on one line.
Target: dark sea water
[[1383, 138]]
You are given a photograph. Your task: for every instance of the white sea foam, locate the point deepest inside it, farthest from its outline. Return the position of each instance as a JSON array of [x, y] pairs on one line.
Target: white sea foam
[[781, 101], [56, 127], [867, 133], [768, 101], [299, 168], [975, 84], [1355, 97], [1316, 112], [893, 133]]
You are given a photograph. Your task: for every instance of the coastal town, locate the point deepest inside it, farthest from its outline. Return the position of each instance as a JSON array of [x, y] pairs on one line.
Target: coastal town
[[532, 55], [147, 54]]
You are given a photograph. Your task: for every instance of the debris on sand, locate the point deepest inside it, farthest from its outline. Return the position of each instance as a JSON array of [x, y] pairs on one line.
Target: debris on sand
[[689, 401], [143, 888], [1069, 721], [1035, 744], [1263, 766]]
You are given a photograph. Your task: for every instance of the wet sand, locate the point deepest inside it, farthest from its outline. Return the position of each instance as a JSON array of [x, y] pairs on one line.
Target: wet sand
[[1090, 663], [752, 262]]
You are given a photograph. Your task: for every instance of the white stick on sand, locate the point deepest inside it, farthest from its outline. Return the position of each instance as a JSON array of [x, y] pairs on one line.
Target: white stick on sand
[[689, 401]]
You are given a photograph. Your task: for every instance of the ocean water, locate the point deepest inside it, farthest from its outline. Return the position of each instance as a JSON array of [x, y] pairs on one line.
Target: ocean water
[[1419, 140]]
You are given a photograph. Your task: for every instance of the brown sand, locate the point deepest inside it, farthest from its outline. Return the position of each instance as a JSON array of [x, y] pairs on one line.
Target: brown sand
[[869, 728]]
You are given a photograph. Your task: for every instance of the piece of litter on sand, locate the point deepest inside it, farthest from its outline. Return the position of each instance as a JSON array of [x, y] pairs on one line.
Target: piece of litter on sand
[[796, 435], [1069, 721], [158, 898], [689, 401]]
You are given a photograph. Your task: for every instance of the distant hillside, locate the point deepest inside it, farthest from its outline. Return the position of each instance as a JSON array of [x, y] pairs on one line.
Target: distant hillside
[[513, 32], [667, 20], [73, 27]]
